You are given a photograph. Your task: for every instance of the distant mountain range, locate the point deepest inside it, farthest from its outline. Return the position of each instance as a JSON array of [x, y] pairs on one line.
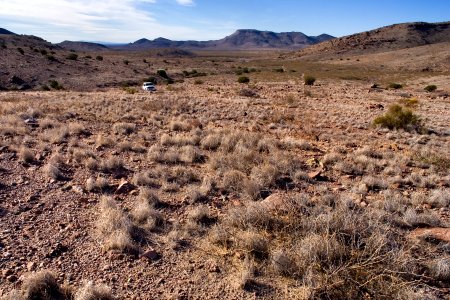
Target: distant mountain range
[[243, 39]]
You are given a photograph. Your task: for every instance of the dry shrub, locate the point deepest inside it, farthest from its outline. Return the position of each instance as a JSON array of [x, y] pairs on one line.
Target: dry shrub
[[90, 291], [111, 165], [440, 269], [176, 125], [146, 216], [124, 128], [52, 171], [283, 263], [190, 154], [43, 286], [179, 140], [254, 244], [114, 227], [26, 155], [103, 141], [211, 142]]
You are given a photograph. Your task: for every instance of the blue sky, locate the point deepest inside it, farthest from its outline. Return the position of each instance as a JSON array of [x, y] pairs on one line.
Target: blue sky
[[129, 20]]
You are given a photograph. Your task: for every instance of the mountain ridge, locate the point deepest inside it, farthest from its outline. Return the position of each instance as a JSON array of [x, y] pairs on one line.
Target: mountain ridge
[[240, 39]]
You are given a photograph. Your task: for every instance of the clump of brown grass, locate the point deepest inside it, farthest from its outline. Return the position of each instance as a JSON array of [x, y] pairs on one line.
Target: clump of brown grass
[[114, 227], [90, 291], [124, 128], [26, 155], [43, 285]]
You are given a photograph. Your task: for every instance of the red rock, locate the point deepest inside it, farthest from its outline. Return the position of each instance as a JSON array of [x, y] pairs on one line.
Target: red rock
[[125, 187], [441, 234], [151, 255], [276, 201]]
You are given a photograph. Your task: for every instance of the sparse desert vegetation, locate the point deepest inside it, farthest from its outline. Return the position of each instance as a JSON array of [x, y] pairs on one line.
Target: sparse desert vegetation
[[289, 188]]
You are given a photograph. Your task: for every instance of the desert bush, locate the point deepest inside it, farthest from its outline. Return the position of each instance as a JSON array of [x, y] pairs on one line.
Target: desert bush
[[248, 93], [198, 81], [114, 226], [309, 80], [398, 117], [72, 56], [130, 90], [99, 57], [162, 73], [90, 291], [124, 128], [55, 85], [26, 155], [43, 286], [409, 102], [243, 79], [395, 86], [21, 51], [430, 88], [211, 142]]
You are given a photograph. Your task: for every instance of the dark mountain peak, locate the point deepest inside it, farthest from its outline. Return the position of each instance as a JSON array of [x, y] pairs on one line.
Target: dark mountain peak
[[161, 39], [4, 31], [141, 41], [82, 46]]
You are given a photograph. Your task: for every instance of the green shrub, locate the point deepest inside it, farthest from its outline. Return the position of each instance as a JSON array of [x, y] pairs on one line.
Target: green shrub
[[162, 73], [130, 90], [279, 70], [72, 56], [126, 61], [309, 80], [239, 72], [398, 117], [55, 85], [20, 50], [99, 57], [88, 57], [45, 87], [395, 86], [198, 81], [243, 79], [43, 52], [430, 88], [151, 79], [50, 57]]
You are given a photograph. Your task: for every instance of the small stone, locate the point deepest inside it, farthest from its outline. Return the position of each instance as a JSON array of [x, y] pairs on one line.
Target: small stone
[[7, 272], [31, 266], [151, 255]]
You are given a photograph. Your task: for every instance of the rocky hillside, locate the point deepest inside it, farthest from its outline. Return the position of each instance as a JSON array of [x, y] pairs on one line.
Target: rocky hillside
[[82, 46], [244, 39], [394, 37]]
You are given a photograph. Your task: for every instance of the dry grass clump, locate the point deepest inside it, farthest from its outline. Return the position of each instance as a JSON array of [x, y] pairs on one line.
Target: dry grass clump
[[158, 154], [145, 178], [336, 249], [90, 291], [191, 154], [103, 141], [26, 155], [440, 269], [43, 285], [100, 184], [145, 215], [124, 128], [179, 140], [114, 227], [211, 142], [53, 169], [177, 125], [111, 165], [57, 135]]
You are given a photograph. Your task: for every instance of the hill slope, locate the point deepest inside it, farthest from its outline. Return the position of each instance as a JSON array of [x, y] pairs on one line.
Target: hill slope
[[4, 31], [394, 37], [82, 46]]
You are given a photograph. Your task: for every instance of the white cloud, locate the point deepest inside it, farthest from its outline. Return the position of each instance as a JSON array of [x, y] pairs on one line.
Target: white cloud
[[186, 2], [103, 20]]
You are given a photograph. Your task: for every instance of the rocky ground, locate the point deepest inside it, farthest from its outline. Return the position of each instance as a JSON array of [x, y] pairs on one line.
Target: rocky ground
[[205, 191]]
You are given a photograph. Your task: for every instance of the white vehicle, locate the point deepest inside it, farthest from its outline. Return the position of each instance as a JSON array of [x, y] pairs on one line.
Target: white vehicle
[[148, 86]]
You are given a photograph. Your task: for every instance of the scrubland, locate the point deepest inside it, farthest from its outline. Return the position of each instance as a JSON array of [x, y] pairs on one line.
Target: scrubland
[[217, 189]]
